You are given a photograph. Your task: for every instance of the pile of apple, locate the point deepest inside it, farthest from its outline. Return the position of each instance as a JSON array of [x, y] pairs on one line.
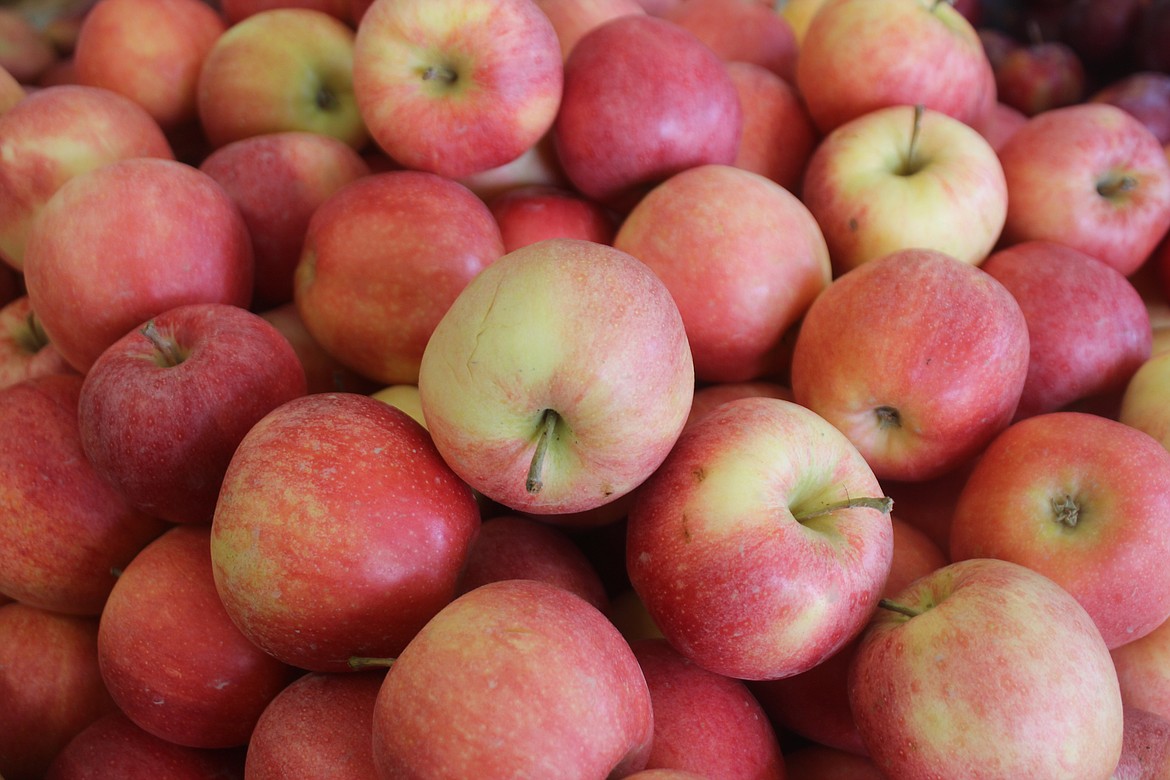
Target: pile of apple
[[586, 389]]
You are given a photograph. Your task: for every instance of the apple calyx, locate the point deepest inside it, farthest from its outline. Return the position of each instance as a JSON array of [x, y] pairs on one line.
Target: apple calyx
[[33, 338], [168, 353], [901, 609], [1066, 510], [888, 417], [359, 663], [326, 98], [911, 164], [548, 423], [1114, 184], [883, 504]]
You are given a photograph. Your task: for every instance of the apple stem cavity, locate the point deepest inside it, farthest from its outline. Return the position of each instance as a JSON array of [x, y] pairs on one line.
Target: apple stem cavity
[[912, 165], [440, 73], [548, 424], [169, 353], [888, 417], [1067, 511], [327, 99], [883, 504], [34, 339], [1114, 185], [901, 609], [359, 663]]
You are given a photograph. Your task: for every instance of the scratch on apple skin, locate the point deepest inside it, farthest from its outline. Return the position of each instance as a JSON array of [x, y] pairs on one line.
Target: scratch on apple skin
[[483, 326]]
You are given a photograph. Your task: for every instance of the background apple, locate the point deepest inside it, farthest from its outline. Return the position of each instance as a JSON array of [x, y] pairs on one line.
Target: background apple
[[778, 134], [25, 351], [1146, 95], [741, 31], [24, 51], [1040, 76], [238, 10], [573, 18], [530, 213]]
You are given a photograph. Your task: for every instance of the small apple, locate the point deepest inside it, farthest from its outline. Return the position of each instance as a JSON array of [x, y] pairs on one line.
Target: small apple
[[1040, 76], [1146, 95], [25, 351], [25, 52], [530, 213]]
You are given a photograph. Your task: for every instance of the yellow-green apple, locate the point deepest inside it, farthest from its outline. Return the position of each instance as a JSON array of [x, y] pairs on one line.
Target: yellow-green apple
[[918, 357], [559, 378], [643, 100], [277, 70], [1091, 176], [743, 259], [965, 673], [799, 14], [238, 10], [344, 478], [151, 51], [868, 174], [998, 124], [778, 135], [11, 90], [1145, 746], [820, 762], [52, 686], [25, 351], [319, 726], [25, 52], [709, 396], [383, 259], [705, 722], [116, 245], [163, 408], [1088, 327], [741, 31], [1143, 670], [514, 547], [56, 133], [1143, 401], [1081, 499], [170, 656], [403, 396], [456, 87], [861, 55], [323, 372], [573, 18], [761, 544], [516, 678], [114, 745], [60, 548], [1146, 95], [530, 213], [278, 180]]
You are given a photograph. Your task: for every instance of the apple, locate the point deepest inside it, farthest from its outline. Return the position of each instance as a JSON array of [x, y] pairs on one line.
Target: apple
[[1142, 670], [516, 678], [998, 44], [51, 684], [383, 259], [861, 55], [25, 351], [559, 378], [1145, 746], [25, 52], [459, 87], [404, 397], [778, 134], [965, 674], [1091, 176], [821, 762], [238, 10], [66, 531], [119, 244], [538, 165], [1101, 32], [573, 18], [11, 90], [319, 726], [278, 180], [708, 397], [163, 409], [1079, 498], [741, 31], [347, 479], [323, 372], [56, 133], [643, 99], [867, 175], [1143, 398], [704, 722], [742, 257], [530, 213], [1040, 76], [113, 745], [151, 51], [279, 70], [760, 487], [1088, 327], [1146, 95], [918, 357], [999, 123]]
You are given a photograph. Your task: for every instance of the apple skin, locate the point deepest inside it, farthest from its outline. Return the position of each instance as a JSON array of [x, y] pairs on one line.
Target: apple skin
[[860, 55], [151, 51], [25, 351], [743, 259], [704, 722], [51, 683], [576, 339], [319, 726], [56, 133], [384, 257], [458, 89], [1146, 95], [59, 548], [976, 685], [1143, 402], [530, 213], [117, 245], [114, 745], [516, 678], [25, 52], [348, 479], [1145, 748], [11, 90], [1040, 77], [708, 397], [748, 491], [278, 180], [999, 123], [162, 412], [643, 99], [1142, 670], [918, 357], [238, 10], [1106, 170], [741, 31], [1088, 327], [1081, 499], [323, 372], [778, 134], [821, 762], [868, 174], [279, 70], [573, 18]]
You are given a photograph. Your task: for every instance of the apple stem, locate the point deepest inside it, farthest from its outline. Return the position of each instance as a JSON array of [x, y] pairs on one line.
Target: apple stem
[[881, 503], [911, 165], [361, 663], [1116, 185], [901, 609], [1068, 512], [170, 352], [549, 420], [937, 3], [440, 72]]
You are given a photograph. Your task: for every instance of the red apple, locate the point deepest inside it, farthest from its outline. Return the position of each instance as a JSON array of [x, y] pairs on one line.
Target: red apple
[[1101, 32], [741, 31], [778, 134], [458, 87], [1146, 95], [384, 257], [1040, 76], [708, 397], [821, 762], [1149, 42], [514, 679], [999, 123], [347, 479], [573, 18], [25, 51], [530, 213], [25, 351], [238, 10], [919, 358], [323, 372], [117, 245], [1145, 747], [537, 166]]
